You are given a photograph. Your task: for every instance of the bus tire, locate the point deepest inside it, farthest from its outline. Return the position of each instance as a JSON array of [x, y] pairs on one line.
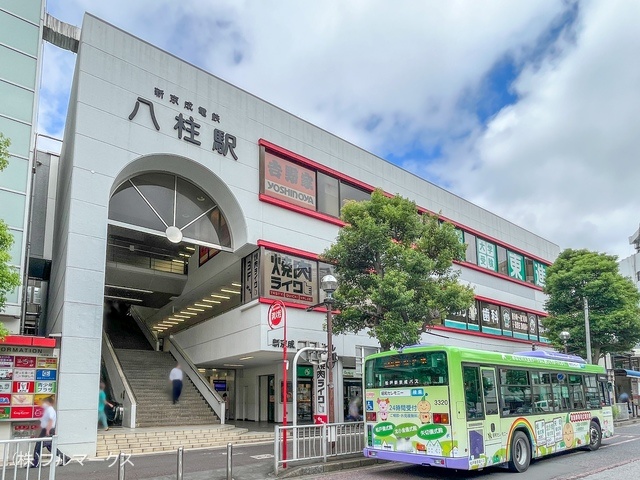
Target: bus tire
[[595, 436], [520, 452]]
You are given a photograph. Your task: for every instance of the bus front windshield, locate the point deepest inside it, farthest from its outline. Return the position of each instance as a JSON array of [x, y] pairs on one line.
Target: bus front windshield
[[421, 369]]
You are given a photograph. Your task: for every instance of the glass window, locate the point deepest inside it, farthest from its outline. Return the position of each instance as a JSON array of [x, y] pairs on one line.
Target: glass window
[[17, 67], [515, 392], [28, 10], [502, 260], [16, 174], [461, 234], [605, 398], [159, 190], [470, 240], [592, 394], [16, 102], [16, 249], [528, 265], [542, 393], [561, 401], [490, 391], [19, 34], [472, 392], [13, 205], [411, 369], [328, 195], [349, 192], [127, 206], [576, 392], [19, 133]]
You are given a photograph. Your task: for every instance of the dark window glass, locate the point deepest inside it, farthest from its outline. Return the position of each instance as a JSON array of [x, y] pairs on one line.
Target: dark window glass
[[472, 254], [591, 391], [349, 192], [502, 260], [472, 392], [515, 392], [328, 195], [576, 392], [561, 401], [542, 393], [411, 369], [490, 391], [528, 266]]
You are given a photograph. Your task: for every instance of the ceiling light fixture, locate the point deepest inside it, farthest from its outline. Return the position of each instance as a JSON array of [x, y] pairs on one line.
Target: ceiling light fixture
[[211, 301], [202, 305], [114, 297], [232, 365], [181, 316], [236, 284], [177, 261], [244, 358], [228, 290], [195, 309], [176, 319], [120, 287], [190, 248], [191, 314], [225, 297]]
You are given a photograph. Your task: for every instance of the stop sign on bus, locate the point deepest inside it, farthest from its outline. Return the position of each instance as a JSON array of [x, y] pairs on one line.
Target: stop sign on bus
[[276, 314]]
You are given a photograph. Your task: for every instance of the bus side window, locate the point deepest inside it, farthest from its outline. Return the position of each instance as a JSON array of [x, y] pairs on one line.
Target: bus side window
[[472, 392]]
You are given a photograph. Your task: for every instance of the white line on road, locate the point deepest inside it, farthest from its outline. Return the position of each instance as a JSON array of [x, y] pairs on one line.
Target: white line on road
[[262, 457], [620, 443]]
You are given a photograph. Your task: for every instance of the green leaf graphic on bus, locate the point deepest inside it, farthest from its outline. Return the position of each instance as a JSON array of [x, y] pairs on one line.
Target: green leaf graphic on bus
[[405, 430], [432, 432], [383, 429]]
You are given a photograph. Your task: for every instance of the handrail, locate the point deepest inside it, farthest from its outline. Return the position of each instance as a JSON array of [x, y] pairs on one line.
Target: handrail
[[119, 383], [210, 395], [148, 333]]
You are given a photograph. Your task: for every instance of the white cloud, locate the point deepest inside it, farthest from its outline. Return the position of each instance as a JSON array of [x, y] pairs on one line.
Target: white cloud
[[562, 161]]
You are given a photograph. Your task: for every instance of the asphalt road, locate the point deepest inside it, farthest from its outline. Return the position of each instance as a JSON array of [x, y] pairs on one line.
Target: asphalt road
[[616, 459]]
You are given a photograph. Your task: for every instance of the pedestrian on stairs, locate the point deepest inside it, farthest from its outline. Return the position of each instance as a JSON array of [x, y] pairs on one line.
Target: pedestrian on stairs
[[102, 403], [175, 377]]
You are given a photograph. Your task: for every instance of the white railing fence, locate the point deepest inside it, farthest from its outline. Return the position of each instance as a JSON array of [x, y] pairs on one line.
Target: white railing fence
[[17, 457], [309, 443]]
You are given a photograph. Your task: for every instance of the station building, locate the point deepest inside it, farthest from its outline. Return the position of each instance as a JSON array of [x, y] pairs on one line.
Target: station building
[[189, 205]]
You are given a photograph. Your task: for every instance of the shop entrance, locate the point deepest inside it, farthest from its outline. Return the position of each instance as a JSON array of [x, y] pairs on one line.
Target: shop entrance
[[352, 398], [267, 396]]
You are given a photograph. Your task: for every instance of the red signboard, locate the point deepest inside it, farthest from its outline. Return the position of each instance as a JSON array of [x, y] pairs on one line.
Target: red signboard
[[276, 314], [21, 412], [290, 182], [25, 362], [24, 387]]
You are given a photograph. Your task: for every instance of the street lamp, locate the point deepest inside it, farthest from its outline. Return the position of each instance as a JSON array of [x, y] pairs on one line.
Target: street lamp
[[564, 336], [329, 284]]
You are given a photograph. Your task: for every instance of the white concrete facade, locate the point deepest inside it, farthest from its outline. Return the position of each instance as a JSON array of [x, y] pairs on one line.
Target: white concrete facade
[[103, 147]]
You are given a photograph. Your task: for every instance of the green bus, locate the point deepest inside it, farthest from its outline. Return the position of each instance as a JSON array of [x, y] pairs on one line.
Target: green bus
[[469, 409]]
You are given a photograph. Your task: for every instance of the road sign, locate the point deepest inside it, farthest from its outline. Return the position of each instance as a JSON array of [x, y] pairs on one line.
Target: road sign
[[276, 315]]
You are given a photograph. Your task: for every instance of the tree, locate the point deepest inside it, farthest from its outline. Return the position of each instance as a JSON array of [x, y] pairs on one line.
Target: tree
[[9, 277], [395, 270], [614, 311]]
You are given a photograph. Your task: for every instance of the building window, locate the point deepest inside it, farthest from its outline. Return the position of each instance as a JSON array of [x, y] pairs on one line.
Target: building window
[[503, 266], [328, 195], [528, 263], [349, 192], [470, 240]]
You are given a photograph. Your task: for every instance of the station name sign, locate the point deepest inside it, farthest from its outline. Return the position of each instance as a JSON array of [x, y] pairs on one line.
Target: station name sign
[[187, 124]]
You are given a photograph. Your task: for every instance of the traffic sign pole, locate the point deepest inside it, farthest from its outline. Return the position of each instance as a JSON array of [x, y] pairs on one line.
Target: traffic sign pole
[[276, 315]]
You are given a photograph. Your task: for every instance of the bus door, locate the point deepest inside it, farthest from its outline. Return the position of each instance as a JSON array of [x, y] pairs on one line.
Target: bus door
[[492, 426]]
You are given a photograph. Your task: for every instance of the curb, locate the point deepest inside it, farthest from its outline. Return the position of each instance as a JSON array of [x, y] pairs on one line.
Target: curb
[[622, 423], [320, 468]]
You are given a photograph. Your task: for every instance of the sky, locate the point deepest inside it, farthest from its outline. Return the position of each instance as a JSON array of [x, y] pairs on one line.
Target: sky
[[529, 108]]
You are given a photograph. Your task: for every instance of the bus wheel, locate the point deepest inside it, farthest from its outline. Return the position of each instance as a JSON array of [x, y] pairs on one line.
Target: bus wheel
[[520, 452], [595, 436]]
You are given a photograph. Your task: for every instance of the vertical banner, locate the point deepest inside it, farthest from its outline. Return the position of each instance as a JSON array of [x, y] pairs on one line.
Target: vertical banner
[[321, 394], [251, 277]]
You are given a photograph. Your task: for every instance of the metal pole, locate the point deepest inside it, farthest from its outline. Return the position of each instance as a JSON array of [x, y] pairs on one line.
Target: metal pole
[[330, 359], [180, 466], [276, 450], [284, 391], [587, 329], [229, 461], [121, 464], [54, 451]]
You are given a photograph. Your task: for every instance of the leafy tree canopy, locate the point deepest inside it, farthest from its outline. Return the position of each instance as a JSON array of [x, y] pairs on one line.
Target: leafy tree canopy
[[395, 270], [614, 312], [9, 277]]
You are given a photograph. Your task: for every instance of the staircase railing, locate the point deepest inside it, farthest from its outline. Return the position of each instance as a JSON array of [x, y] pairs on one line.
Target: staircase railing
[[119, 383], [214, 400], [148, 333]]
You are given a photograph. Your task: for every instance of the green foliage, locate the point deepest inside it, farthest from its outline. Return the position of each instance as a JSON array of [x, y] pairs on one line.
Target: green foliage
[[395, 270], [614, 312], [4, 151], [9, 277]]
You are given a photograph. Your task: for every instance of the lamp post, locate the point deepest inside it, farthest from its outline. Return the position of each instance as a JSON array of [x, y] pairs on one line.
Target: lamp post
[[564, 336], [329, 284], [587, 329]]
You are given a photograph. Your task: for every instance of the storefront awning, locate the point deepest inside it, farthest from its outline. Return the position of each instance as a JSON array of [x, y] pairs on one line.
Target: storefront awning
[[628, 373]]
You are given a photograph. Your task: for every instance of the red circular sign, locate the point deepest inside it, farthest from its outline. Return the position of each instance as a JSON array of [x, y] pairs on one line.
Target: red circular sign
[[276, 315]]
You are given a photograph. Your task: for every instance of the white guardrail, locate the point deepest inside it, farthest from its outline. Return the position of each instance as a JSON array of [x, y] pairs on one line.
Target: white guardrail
[[18, 454], [309, 443]]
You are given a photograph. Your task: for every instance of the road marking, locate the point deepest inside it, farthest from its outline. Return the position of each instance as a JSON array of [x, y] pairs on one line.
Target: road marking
[[262, 457], [600, 470], [620, 443]]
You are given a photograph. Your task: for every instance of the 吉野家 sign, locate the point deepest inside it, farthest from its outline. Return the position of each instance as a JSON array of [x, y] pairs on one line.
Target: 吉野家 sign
[[289, 182]]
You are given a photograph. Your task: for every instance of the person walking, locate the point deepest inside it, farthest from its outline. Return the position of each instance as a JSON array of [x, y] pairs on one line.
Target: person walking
[[175, 377], [102, 403], [227, 413], [47, 429]]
